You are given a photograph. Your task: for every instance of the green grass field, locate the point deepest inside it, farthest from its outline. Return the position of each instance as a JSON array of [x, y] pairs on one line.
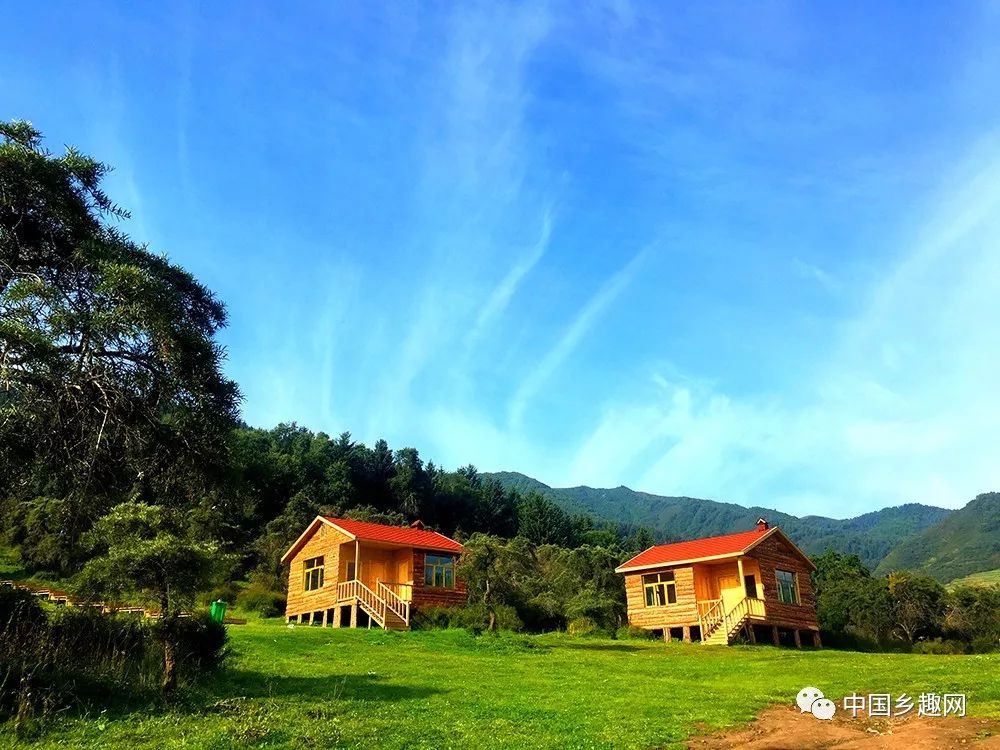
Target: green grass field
[[986, 578], [312, 687]]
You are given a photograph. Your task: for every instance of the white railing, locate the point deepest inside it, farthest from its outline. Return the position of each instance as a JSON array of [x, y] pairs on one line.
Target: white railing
[[371, 602], [397, 605]]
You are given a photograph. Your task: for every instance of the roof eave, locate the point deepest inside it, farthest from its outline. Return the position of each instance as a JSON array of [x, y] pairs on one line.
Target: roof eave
[[789, 542], [310, 529], [626, 568]]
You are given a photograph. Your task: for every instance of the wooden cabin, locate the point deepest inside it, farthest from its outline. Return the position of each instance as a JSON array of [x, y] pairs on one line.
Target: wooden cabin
[[345, 573], [711, 590]]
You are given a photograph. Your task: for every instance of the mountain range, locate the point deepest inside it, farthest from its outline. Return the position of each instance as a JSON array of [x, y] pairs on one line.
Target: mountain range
[[945, 544]]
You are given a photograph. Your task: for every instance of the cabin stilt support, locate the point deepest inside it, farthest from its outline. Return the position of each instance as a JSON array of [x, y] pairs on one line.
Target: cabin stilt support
[[354, 615], [798, 638], [774, 634], [687, 633], [816, 640], [666, 635]]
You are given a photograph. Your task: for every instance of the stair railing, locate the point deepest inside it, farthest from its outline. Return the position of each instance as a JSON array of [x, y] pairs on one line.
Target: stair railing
[[394, 603]]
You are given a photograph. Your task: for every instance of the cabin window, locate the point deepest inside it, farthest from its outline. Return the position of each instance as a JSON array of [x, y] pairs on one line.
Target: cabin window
[[439, 571], [313, 573], [660, 589], [788, 587]]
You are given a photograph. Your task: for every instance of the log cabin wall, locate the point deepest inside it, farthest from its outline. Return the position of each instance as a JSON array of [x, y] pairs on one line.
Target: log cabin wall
[[325, 541], [433, 596], [684, 612], [771, 555]]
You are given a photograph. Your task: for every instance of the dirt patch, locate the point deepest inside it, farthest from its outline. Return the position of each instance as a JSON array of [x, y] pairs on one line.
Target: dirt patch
[[784, 728]]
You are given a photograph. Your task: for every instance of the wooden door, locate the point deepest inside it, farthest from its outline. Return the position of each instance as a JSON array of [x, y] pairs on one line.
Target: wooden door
[[730, 590], [375, 572]]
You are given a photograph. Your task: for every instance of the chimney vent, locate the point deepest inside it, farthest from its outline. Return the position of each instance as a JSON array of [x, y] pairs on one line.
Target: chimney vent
[[762, 524], [418, 524]]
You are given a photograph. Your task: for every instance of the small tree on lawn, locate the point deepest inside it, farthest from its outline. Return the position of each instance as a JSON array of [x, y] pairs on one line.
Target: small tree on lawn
[[494, 571], [918, 603], [147, 552]]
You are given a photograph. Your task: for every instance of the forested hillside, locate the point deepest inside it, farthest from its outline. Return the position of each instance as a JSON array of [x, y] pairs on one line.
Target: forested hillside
[[870, 536], [966, 542]]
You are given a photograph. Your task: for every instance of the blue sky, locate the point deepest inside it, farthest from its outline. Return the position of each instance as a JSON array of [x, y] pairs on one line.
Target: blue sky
[[747, 252]]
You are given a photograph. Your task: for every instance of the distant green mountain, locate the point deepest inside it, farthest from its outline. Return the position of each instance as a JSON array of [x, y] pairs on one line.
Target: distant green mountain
[[966, 542], [871, 536]]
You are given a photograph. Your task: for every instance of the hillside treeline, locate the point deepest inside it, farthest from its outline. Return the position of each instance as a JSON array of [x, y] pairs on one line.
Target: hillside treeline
[[902, 610]]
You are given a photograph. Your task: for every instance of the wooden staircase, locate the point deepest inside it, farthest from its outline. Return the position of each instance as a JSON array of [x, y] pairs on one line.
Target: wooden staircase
[[719, 626], [384, 608]]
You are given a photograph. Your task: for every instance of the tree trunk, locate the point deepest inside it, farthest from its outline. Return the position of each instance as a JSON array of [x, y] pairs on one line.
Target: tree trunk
[[169, 666], [493, 620], [169, 648]]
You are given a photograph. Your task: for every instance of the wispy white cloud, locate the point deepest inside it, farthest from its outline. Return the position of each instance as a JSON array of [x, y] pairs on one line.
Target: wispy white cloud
[[897, 412], [572, 335], [814, 273], [504, 291]]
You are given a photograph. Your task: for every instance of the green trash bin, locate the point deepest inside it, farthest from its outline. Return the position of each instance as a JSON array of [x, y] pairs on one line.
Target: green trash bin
[[217, 611]]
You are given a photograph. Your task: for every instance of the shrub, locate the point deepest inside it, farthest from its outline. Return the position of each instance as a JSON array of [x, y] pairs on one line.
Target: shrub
[[228, 592], [73, 658], [19, 608], [263, 602], [76, 657], [476, 618], [200, 642], [630, 632], [582, 626], [939, 646], [434, 618]]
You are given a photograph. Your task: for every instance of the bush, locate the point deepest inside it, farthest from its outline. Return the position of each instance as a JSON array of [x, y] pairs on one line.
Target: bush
[[200, 642], [73, 658], [632, 633], [20, 609], [79, 657], [263, 602], [228, 592], [939, 646], [475, 618], [434, 618], [582, 626]]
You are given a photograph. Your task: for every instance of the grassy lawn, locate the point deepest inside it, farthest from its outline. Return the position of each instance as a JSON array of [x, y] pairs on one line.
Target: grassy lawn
[[987, 578], [311, 687]]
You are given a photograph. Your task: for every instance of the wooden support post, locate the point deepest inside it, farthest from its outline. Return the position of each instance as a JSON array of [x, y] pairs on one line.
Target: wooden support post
[[687, 633], [326, 613], [798, 638], [739, 570], [816, 641], [751, 633], [774, 632], [357, 559], [354, 615], [336, 616], [666, 635]]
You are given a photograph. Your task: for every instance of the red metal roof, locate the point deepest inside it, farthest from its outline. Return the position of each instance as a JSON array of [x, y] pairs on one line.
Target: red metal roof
[[410, 537], [695, 549]]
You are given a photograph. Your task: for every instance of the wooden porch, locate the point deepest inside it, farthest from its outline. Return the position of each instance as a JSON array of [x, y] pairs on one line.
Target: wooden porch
[[729, 596]]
